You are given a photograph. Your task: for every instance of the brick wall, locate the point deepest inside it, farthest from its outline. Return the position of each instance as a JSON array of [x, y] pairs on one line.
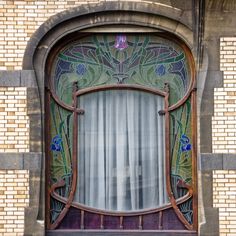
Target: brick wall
[[20, 20], [14, 138], [14, 122], [224, 197], [14, 197], [224, 122], [224, 137]]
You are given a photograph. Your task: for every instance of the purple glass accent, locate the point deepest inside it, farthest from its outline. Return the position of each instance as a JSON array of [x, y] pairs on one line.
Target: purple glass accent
[[121, 42]]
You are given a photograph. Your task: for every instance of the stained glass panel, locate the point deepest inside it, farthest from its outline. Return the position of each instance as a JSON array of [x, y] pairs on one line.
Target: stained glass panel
[[181, 154], [146, 60], [61, 122]]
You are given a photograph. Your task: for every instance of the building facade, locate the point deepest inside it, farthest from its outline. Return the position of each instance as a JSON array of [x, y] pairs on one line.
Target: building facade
[[54, 54]]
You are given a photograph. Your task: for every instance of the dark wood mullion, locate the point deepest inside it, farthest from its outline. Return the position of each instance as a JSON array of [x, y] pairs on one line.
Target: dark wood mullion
[[60, 103], [101, 221], [67, 107], [47, 161], [82, 219], [121, 222], [120, 86], [194, 158], [140, 224], [190, 60], [160, 220], [125, 214]]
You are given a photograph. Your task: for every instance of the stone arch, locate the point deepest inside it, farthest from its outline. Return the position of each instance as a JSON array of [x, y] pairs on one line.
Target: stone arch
[[101, 17], [149, 15]]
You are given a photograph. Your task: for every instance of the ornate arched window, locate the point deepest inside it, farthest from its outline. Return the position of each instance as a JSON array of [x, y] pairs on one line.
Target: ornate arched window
[[121, 135]]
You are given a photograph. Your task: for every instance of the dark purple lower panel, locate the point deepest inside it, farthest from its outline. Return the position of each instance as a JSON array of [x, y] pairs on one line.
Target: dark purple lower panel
[[171, 221], [168, 221], [92, 221], [131, 222], [151, 221], [119, 233], [71, 220], [111, 222]]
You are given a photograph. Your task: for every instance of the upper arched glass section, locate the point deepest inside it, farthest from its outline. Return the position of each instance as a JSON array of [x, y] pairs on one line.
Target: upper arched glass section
[[148, 60]]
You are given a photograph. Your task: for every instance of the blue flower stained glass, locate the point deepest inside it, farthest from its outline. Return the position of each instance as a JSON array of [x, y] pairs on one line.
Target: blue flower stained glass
[[160, 70], [56, 144], [186, 146], [80, 69]]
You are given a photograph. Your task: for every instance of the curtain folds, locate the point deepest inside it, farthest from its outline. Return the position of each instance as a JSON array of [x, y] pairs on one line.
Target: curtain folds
[[121, 151]]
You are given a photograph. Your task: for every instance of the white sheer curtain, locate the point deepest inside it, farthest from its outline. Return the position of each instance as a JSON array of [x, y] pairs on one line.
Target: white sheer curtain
[[121, 151]]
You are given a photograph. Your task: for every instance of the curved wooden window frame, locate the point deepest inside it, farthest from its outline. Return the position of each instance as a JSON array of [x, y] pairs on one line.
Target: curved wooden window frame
[[192, 190]]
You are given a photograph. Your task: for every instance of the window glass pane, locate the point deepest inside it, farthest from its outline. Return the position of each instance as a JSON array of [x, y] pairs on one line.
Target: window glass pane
[[121, 149]]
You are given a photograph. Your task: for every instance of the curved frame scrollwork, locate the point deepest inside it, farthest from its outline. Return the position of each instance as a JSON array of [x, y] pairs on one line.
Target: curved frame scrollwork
[[191, 190]]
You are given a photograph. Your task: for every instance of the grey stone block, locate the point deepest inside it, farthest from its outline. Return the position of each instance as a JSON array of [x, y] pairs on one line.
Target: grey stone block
[[206, 184], [32, 225], [21, 161], [183, 31], [205, 134], [35, 133], [28, 78], [9, 78], [185, 5], [210, 161], [216, 80], [168, 24], [229, 161], [211, 226], [32, 161], [33, 101], [11, 161]]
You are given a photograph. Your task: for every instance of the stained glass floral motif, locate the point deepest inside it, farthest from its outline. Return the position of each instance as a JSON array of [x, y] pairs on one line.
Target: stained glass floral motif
[[146, 60], [80, 69], [186, 146], [160, 70], [181, 161], [56, 144]]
